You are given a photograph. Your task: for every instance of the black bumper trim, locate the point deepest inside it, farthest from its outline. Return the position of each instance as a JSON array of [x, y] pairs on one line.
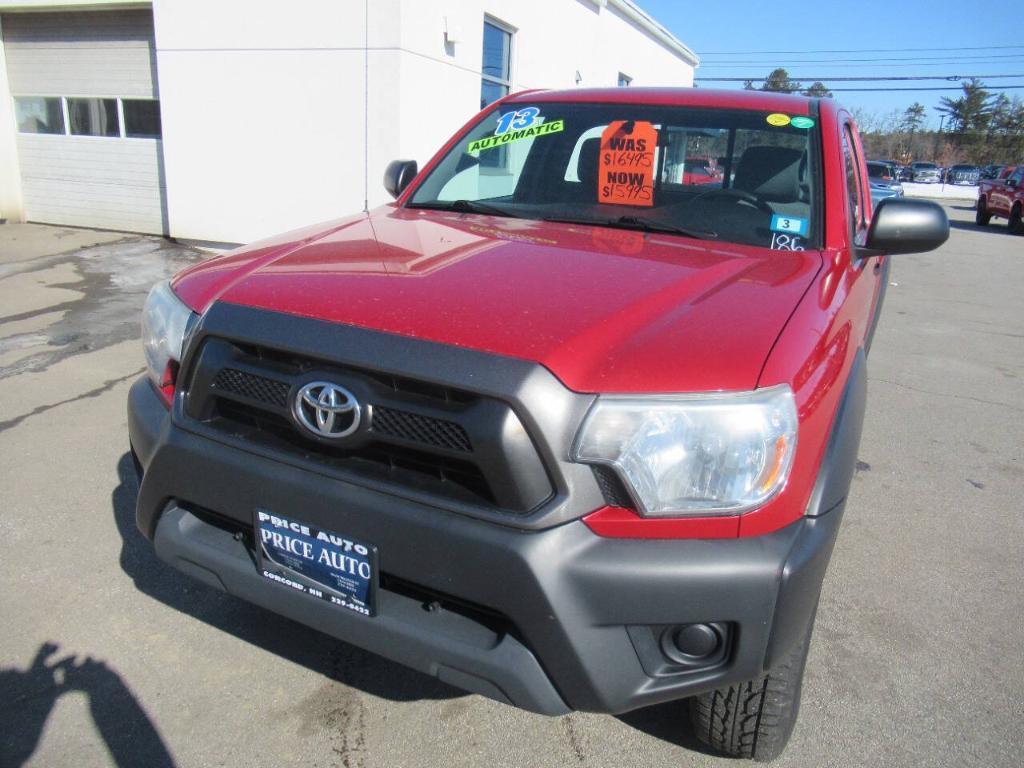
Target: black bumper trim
[[439, 643]]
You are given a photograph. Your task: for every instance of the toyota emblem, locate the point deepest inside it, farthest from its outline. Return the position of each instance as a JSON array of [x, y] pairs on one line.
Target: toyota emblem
[[326, 410]]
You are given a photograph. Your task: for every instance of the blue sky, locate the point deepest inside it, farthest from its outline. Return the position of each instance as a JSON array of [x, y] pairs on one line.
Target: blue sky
[[727, 32]]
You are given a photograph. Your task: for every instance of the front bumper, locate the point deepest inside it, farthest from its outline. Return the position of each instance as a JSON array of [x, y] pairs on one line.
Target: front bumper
[[548, 620]]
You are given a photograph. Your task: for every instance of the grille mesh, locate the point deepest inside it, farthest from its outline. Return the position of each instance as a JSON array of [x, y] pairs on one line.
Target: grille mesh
[[421, 429], [252, 386], [393, 422], [615, 494]]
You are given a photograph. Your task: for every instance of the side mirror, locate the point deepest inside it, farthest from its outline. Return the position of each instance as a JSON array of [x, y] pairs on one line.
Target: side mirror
[[398, 174], [900, 225]]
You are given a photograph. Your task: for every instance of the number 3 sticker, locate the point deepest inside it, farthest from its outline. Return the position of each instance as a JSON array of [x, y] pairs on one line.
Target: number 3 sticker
[[789, 224]]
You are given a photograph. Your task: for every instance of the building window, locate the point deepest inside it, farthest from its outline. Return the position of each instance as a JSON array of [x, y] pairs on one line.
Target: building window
[[39, 114], [141, 118], [77, 116], [496, 71], [93, 117], [624, 80]]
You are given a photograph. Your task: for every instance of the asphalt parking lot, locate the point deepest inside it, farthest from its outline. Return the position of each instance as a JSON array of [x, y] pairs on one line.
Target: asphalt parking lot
[[107, 657]]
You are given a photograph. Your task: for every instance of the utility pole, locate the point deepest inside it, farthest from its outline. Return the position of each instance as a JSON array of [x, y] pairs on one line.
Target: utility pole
[[938, 136]]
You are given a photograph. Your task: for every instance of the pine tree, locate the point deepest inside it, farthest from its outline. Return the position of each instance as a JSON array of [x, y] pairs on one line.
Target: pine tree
[[818, 90], [778, 81]]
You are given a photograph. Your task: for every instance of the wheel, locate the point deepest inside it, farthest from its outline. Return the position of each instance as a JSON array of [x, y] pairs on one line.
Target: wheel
[[1014, 222], [754, 719], [982, 217]]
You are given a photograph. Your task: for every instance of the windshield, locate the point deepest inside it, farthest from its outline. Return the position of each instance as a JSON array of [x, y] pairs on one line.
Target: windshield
[[730, 175], [925, 166], [879, 170]]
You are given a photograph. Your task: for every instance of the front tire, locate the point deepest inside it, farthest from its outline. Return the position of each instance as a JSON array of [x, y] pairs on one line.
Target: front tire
[[755, 719], [1014, 223], [982, 217]]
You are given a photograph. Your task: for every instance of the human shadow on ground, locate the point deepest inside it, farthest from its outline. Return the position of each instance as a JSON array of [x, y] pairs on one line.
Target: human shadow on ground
[[283, 637], [30, 694]]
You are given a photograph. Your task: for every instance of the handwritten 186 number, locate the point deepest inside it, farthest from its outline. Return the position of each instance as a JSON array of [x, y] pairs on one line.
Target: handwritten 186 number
[[781, 242]]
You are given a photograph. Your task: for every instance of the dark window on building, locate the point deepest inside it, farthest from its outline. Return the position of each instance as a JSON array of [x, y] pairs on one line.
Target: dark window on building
[[39, 114], [141, 118], [496, 72], [495, 81], [93, 117]]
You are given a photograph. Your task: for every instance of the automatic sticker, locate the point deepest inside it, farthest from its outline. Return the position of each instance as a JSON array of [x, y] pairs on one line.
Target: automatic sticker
[[525, 123]]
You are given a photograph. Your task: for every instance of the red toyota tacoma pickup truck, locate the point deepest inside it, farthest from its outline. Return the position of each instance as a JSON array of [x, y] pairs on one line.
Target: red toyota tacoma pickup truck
[[1003, 197], [554, 426]]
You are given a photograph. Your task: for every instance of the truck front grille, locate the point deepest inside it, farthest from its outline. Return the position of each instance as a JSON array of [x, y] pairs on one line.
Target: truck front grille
[[387, 421], [420, 429], [252, 387], [416, 437]]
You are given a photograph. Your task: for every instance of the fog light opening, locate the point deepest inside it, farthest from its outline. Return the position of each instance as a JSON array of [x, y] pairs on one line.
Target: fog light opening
[[693, 645]]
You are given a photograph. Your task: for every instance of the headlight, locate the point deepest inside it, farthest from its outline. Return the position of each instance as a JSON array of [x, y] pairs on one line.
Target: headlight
[[164, 322], [718, 454]]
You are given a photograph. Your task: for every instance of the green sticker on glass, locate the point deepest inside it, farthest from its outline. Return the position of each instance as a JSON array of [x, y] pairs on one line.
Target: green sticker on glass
[[802, 122], [490, 142]]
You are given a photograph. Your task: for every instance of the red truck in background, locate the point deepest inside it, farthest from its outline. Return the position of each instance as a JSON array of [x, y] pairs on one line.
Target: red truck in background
[[1003, 197]]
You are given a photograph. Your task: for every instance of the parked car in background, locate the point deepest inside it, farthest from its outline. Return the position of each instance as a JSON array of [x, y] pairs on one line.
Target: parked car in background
[[905, 173], [925, 173], [991, 171], [883, 174], [699, 170], [1003, 197], [963, 174], [881, 191]]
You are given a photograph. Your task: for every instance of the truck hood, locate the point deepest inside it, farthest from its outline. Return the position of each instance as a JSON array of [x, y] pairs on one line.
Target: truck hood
[[606, 310]]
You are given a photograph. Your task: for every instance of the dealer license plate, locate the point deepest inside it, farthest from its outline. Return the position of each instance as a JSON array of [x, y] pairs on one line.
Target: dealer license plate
[[322, 564]]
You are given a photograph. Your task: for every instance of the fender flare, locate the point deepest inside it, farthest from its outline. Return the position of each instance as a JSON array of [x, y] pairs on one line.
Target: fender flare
[[804, 569]]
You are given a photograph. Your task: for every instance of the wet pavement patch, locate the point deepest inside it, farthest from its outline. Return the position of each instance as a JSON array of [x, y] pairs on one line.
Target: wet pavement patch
[[111, 282]]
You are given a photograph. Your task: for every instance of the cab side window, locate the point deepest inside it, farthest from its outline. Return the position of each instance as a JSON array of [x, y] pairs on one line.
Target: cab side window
[[854, 184]]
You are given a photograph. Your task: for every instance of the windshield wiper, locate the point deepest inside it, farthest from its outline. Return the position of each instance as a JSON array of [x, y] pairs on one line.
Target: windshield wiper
[[464, 206], [638, 222]]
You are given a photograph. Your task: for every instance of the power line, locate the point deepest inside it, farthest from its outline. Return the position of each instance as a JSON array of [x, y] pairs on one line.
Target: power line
[[916, 88], [925, 88], [864, 50], [847, 65], [954, 78], [869, 60]]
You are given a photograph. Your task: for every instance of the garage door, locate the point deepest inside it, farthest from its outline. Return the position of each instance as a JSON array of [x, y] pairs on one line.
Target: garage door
[[88, 118]]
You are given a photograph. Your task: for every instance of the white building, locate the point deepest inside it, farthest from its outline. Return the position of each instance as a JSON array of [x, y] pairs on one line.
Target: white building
[[229, 120]]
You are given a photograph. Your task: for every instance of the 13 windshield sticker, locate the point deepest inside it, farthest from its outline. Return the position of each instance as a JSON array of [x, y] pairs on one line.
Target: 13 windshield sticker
[[525, 123]]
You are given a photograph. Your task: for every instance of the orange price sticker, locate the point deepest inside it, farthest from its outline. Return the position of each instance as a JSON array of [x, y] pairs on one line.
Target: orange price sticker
[[626, 163]]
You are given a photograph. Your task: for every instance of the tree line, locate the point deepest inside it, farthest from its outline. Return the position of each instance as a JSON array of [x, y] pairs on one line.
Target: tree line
[[978, 126]]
